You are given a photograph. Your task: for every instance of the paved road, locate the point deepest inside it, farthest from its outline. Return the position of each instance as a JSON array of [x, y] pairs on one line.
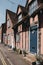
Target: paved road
[[2, 59], [1, 62], [11, 57]]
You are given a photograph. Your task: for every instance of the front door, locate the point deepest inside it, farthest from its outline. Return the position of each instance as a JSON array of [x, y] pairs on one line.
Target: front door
[[33, 39], [12, 41]]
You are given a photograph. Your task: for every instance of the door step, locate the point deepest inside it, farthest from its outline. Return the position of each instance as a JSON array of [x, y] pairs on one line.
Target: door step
[[30, 58]]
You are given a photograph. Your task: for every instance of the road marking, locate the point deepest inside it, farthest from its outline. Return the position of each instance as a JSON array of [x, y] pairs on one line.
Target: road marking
[[2, 59], [9, 61]]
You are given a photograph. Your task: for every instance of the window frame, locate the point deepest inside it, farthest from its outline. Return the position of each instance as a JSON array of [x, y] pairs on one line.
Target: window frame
[[33, 7], [17, 37], [8, 23], [19, 17]]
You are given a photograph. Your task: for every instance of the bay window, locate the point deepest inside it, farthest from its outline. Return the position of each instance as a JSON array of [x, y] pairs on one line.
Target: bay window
[[33, 7]]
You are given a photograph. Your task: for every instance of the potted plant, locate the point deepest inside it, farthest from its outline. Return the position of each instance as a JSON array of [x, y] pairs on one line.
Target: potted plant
[[20, 51], [14, 49], [38, 60]]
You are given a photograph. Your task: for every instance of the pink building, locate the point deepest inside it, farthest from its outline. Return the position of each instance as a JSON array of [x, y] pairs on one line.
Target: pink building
[[10, 21], [35, 11], [30, 38], [22, 28]]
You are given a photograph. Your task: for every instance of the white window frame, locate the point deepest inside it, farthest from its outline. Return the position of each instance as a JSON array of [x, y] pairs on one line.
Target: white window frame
[[33, 7], [20, 18], [18, 37], [8, 23]]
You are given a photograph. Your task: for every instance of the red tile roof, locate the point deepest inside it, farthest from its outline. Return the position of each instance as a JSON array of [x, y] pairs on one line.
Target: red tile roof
[[12, 15]]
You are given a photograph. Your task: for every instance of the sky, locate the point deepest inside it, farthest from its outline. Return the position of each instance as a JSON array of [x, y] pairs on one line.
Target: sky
[[6, 4]]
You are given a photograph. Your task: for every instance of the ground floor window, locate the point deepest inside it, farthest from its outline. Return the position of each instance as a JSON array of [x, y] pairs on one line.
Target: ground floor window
[[18, 37], [9, 37]]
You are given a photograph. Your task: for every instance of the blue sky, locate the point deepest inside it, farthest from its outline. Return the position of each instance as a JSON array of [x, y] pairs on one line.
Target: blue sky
[[6, 4]]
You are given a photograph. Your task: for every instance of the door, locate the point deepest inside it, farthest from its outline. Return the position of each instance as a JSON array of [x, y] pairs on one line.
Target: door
[[33, 39], [12, 41]]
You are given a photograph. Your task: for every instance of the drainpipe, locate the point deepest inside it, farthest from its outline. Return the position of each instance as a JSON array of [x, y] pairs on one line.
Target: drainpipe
[[15, 38]]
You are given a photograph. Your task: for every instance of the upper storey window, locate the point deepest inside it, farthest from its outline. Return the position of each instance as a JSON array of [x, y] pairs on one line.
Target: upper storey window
[[8, 23], [17, 37], [19, 17], [33, 7]]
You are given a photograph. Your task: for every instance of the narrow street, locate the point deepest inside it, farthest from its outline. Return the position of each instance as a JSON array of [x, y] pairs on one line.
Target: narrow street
[[21, 32], [1, 62], [9, 57]]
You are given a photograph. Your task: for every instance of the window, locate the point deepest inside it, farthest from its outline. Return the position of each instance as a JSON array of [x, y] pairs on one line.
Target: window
[[8, 23], [20, 18], [3, 34], [33, 7], [17, 37], [9, 37]]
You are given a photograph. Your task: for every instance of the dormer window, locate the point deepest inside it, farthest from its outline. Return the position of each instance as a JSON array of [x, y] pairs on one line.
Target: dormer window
[[8, 23], [19, 17], [33, 7]]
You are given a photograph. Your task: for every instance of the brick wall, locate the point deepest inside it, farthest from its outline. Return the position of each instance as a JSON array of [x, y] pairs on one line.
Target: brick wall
[[0, 33], [10, 32]]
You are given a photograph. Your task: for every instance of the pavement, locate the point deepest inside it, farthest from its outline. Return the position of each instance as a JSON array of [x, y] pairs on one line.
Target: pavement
[[1, 62], [9, 57]]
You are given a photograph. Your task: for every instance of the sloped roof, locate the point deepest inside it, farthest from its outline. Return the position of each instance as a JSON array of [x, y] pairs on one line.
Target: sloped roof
[[12, 15], [26, 3], [22, 8]]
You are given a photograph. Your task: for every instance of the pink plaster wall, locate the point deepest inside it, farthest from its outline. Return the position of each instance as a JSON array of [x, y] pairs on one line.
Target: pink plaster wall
[[19, 10], [27, 40], [41, 30], [5, 40], [19, 44], [9, 31], [21, 40], [24, 41], [36, 19], [41, 40], [20, 28], [31, 20]]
